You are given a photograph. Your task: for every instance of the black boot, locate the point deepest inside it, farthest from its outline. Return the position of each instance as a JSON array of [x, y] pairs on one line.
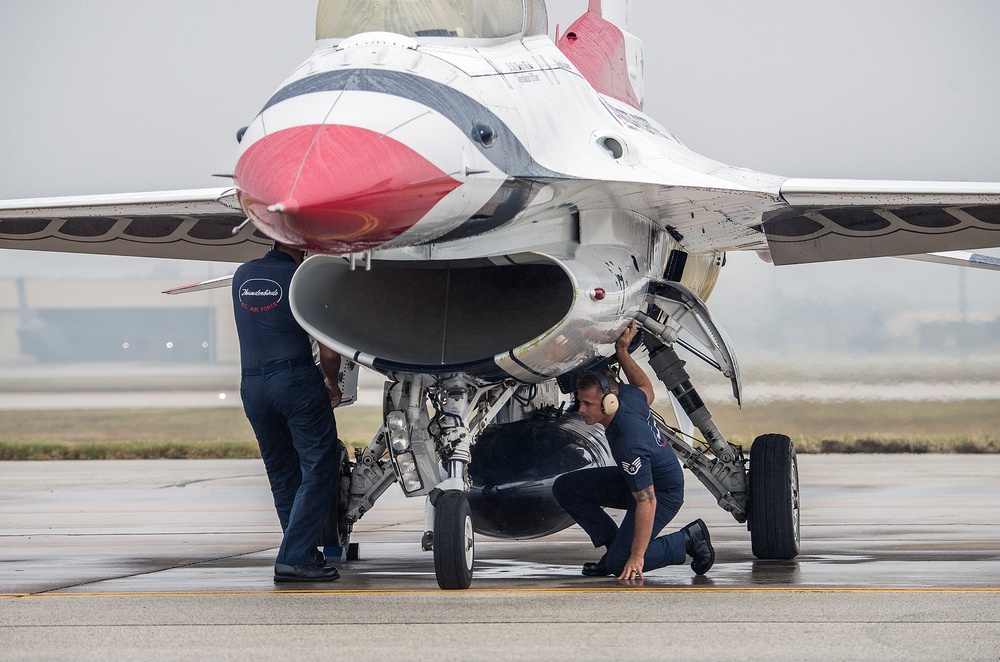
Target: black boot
[[699, 546], [599, 569], [304, 573]]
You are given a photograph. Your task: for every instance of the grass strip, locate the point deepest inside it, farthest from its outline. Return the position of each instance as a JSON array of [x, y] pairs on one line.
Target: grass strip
[[967, 426], [127, 450], [22, 450]]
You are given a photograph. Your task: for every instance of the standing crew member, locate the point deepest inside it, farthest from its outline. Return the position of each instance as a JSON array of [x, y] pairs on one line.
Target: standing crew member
[[290, 409], [647, 482]]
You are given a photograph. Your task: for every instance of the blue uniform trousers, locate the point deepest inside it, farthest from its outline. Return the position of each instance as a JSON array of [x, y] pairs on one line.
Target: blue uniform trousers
[[289, 410], [585, 493]]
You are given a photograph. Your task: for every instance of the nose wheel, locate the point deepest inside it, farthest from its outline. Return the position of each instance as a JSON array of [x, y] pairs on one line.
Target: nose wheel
[[453, 541]]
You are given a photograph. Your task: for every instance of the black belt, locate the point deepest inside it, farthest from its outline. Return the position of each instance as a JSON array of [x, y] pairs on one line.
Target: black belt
[[276, 366]]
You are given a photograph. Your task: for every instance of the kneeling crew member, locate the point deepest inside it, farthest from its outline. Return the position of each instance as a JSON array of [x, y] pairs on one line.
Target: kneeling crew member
[[289, 403], [647, 482]]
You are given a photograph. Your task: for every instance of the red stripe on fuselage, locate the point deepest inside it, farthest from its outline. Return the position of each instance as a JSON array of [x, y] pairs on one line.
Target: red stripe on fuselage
[[344, 188]]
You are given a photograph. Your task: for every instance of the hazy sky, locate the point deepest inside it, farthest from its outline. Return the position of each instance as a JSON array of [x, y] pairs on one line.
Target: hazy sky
[[118, 95]]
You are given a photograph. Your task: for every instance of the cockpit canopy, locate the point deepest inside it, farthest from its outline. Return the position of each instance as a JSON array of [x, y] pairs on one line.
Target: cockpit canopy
[[480, 19]]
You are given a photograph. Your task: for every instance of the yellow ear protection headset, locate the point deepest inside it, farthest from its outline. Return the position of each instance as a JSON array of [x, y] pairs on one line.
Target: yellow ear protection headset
[[609, 401]]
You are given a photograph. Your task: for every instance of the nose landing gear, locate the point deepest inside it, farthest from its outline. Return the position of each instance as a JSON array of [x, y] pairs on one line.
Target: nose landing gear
[[453, 540]]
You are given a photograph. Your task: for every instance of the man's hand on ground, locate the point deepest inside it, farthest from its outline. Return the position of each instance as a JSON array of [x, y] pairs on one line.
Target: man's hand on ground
[[633, 568]]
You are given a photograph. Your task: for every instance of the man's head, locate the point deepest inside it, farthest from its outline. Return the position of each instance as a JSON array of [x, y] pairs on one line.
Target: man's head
[[297, 255], [596, 394]]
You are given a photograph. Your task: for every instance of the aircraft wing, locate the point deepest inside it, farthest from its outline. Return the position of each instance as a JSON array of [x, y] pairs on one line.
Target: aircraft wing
[[824, 220], [959, 259], [195, 224], [806, 220], [796, 220]]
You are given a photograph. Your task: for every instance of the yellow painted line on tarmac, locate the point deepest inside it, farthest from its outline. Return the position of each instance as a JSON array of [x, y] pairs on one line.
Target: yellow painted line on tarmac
[[505, 591]]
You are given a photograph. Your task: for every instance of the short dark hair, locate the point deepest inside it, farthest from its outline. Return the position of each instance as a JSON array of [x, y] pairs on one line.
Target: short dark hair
[[589, 380], [278, 246]]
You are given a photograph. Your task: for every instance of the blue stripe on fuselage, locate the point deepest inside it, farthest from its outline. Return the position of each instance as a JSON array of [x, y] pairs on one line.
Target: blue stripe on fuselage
[[506, 151]]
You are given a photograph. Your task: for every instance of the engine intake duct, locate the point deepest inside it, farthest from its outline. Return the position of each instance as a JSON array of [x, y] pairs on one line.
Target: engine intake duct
[[430, 314]]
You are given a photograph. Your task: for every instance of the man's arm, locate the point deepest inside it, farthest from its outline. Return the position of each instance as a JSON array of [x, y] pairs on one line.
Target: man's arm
[[329, 363], [645, 512], [636, 377]]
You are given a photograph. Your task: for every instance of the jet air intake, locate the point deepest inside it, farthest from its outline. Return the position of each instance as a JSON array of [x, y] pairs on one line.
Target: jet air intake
[[432, 316]]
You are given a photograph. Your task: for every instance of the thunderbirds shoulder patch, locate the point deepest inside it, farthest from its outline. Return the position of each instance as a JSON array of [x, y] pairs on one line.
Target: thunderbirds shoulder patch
[[632, 468]]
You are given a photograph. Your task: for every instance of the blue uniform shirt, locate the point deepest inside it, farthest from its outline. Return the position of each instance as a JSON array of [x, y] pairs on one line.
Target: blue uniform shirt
[[639, 448], [268, 332]]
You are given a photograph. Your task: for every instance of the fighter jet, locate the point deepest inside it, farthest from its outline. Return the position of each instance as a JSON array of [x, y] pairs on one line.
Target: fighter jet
[[486, 210]]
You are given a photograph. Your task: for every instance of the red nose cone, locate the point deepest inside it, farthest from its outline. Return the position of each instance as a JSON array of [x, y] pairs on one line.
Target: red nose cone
[[337, 188]]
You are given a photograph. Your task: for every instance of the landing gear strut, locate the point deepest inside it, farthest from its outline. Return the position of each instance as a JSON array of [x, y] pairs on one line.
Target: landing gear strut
[[767, 496]]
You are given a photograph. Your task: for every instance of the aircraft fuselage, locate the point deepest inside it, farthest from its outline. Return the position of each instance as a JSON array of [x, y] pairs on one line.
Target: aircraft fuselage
[[483, 177]]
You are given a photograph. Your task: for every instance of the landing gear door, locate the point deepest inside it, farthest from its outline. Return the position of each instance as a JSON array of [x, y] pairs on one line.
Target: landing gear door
[[347, 378]]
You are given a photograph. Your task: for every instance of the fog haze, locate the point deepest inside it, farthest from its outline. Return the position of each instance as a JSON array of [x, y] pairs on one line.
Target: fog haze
[[115, 95]]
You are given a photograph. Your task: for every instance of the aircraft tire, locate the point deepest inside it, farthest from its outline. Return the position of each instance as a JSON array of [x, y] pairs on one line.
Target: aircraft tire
[[336, 529], [774, 498], [453, 541]]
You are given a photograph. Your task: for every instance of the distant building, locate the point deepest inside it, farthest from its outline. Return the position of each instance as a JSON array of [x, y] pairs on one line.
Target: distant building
[[71, 321], [937, 331]]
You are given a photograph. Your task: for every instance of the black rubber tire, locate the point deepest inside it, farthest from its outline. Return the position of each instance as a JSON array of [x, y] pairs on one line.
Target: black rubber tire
[[336, 530], [774, 498], [453, 541]]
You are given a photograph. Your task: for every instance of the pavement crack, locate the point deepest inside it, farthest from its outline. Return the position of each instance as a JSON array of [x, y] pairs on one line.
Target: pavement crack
[[191, 564], [207, 480]]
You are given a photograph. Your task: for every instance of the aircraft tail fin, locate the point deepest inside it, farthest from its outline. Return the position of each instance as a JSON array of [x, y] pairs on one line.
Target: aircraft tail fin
[[612, 11], [607, 55]]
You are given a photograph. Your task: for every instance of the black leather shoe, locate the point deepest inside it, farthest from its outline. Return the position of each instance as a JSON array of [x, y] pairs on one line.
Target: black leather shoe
[[699, 546], [319, 560], [304, 573], [599, 569]]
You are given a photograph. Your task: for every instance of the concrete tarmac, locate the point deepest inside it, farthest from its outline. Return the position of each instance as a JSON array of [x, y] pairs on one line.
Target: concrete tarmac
[[172, 559]]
